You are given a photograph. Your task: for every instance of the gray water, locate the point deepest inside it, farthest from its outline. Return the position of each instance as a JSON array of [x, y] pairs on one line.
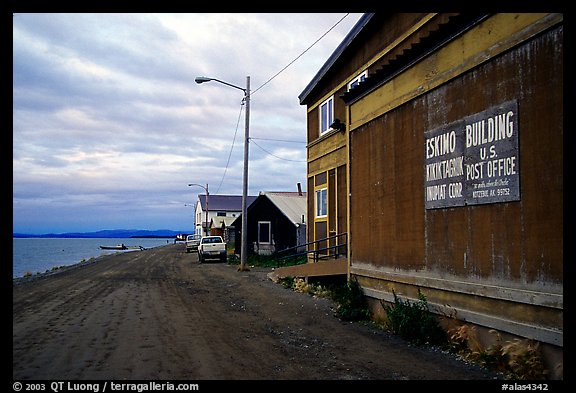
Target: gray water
[[37, 255]]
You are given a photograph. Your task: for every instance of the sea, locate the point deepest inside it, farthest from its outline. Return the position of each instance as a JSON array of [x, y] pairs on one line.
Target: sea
[[37, 255]]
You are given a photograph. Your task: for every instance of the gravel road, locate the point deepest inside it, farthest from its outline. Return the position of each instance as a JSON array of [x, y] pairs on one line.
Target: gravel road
[[158, 314]]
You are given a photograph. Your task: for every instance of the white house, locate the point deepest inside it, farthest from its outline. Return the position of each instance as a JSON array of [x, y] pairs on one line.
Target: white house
[[219, 207]]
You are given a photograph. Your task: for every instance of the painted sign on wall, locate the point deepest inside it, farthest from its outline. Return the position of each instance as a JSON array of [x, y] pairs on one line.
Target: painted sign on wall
[[473, 160]]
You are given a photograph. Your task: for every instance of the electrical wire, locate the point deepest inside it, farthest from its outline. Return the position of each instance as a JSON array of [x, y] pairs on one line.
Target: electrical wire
[[276, 140], [300, 55], [231, 147], [260, 87], [273, 155]]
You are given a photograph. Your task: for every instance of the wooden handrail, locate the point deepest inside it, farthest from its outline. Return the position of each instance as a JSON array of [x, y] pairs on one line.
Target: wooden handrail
[[317, 252]]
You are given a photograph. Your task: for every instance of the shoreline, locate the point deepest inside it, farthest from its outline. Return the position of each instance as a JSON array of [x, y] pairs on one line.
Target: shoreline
[[83, 262], [57, 270], [66, 268]]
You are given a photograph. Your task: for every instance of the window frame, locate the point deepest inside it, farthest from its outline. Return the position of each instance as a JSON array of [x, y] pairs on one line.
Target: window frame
[[323, 193], [359, 78], [269, 223], [329, 103]]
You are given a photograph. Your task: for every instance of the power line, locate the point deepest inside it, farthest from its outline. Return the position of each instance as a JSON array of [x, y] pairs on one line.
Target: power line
[[277, 140], [300, 55], [231, 147], [273, 155], [261, 86]]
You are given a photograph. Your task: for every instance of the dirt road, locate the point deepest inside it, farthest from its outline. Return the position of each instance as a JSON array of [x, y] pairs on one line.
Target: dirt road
[[160, 315]]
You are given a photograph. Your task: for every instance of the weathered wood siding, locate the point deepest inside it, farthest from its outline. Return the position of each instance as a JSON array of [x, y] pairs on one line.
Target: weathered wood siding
[[499, 264]]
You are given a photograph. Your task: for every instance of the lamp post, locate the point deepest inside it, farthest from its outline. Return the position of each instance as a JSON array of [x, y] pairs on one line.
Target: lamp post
[[205, 189], [244, 246]]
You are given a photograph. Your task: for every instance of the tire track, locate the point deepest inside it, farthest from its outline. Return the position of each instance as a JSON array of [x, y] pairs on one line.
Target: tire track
[[158, 314]]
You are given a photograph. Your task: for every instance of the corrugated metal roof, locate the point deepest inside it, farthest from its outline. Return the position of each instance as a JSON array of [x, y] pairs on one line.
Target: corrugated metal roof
[[224, 202], [293, 205]]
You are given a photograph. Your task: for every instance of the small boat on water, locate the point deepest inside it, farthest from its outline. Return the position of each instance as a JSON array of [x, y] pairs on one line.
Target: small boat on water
[[116, 247], [122, 247]]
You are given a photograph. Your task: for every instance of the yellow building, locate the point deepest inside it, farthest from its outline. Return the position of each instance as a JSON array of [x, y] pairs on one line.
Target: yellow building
[[435, 148]]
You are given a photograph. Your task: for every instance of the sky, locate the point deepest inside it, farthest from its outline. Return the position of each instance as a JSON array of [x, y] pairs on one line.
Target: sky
[[109, 127]]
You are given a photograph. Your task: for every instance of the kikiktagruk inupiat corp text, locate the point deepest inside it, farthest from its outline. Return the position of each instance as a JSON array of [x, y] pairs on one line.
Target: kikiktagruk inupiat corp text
[[473, 160]]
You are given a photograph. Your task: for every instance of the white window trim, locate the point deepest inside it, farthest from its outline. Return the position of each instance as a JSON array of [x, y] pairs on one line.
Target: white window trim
[[358, 78], [269, 232], [330, 102], [321, 191]]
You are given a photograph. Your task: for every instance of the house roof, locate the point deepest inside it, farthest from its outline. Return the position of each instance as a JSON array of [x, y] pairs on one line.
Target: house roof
[[228, 203], [335, 55], [292, 204], [217, 222]]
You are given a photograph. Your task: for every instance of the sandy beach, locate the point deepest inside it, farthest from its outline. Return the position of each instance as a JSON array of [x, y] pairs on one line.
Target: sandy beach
[[158, 314]]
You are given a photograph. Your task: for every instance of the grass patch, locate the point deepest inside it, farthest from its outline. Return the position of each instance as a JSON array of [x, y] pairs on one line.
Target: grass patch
[[516, 359]]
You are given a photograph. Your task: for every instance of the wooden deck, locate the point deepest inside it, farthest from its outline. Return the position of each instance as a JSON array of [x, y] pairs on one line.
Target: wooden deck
[[330, 267]]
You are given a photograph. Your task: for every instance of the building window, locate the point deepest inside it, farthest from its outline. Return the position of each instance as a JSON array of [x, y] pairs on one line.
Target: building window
[[360, 78], [221, 214], [264, 234], [326, 115], [321, 202]]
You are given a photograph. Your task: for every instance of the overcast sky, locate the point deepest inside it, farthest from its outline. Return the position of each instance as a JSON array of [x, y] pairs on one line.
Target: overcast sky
[[109, 127]]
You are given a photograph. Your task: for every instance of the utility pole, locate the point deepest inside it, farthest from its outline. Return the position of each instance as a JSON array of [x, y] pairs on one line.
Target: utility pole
[[207, 209], [244, 248]]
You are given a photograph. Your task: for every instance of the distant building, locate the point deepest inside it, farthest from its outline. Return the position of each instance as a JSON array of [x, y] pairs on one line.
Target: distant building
[[222, 226], [219, 208], [276, 221]]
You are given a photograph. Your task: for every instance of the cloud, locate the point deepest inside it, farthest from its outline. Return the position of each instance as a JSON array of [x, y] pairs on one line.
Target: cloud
[[108, 123]]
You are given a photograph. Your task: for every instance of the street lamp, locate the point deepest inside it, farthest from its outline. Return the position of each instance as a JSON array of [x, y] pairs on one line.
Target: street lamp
[[205, 189], [244, 246]]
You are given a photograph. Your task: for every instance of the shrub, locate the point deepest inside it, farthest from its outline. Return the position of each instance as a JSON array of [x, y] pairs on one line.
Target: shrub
[[352, 304], [287, 282], [414, 322]]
